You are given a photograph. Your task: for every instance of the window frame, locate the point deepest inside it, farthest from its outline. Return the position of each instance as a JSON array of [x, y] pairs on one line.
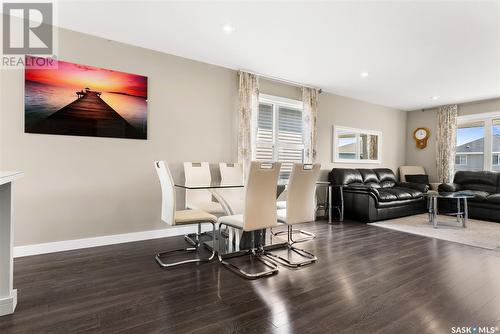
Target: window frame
[[275, 144], [357, 132], [498, 159], [487, 120], [462, 156]]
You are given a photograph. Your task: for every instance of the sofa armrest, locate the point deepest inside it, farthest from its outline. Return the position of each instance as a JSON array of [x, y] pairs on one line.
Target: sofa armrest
[[449, 187], [417, 186]]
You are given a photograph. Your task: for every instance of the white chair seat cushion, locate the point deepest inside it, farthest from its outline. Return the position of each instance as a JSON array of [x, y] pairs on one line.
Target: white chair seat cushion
[[234, 220], [211, 207], [282, 216], [281, 204], [193, 216]]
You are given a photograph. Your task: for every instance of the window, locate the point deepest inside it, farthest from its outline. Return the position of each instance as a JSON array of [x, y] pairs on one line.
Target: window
[[495, 131], [470, 142], [356, 145], [478, 139], [496, 159], [461, 160], [279, 132]]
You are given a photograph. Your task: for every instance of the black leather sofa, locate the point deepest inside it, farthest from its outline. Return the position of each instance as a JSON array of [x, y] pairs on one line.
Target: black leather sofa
[[375, 194], [485, 186]]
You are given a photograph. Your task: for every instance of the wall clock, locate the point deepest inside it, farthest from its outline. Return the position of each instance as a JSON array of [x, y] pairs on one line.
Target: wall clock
[[421, 135]]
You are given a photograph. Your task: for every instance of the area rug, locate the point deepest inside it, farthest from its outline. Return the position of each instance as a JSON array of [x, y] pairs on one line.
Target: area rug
[[478, 233]]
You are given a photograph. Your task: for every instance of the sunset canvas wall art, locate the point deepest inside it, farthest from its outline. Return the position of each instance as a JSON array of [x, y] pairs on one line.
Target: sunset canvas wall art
[[80, 100]]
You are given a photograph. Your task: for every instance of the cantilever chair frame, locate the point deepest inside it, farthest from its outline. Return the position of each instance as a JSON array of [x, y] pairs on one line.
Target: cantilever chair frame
[[256, 253], [289, 245], [308, 235], [208, 177], [195, 248], [167, 181], [259, 214]]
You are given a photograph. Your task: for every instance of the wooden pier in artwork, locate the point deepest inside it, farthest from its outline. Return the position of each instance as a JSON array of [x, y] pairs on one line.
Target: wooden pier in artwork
[[88, 115]]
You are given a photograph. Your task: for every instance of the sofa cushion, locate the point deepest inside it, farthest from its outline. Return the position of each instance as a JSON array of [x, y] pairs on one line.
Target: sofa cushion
[[479, 196], [386, 177], [393, 204], [369, 176], [397, 194], [385, 195], [493, 199], [345, 176], [414, 193], [474, 180]]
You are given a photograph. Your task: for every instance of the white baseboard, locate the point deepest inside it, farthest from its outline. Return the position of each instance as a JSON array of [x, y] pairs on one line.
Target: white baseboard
[[60, 246]]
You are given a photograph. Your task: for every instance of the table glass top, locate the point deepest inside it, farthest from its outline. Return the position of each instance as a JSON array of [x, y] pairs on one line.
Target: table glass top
[[449, 195], [211, 185], [221, 185]]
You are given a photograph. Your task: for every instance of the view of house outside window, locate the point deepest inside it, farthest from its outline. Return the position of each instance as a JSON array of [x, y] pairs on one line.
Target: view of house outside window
[[478, 145], [496, 145], [470, 147]]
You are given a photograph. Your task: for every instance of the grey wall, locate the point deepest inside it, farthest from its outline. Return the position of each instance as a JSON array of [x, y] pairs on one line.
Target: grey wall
[[428, 118], [78, 187], [343, 111]]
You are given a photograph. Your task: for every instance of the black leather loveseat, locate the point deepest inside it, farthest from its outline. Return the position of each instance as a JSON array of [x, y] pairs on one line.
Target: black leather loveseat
[[375, 194], [485, 186]]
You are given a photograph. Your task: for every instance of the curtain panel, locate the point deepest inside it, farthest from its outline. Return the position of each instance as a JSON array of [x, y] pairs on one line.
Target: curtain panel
[[309, 117], [248, 109], [446, 142]]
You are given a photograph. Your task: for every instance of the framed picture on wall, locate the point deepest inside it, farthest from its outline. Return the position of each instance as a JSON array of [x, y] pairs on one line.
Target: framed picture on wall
[[81, 100]]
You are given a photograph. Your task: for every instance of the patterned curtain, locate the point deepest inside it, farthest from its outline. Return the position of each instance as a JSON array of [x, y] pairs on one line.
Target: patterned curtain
[[309, 117], [446, 142], [248, 109]]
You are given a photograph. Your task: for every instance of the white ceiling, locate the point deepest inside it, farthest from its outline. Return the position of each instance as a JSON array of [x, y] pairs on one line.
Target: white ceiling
[[411, 50]]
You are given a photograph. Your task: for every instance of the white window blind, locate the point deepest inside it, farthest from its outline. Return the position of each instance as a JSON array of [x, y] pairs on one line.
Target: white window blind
[[279, 134]]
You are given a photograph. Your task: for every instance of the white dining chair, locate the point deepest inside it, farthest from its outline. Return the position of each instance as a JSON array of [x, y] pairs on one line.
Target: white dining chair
[[232, 174], [172, 217], [301, 208], [198, 173], [259, 213], [281, 204]]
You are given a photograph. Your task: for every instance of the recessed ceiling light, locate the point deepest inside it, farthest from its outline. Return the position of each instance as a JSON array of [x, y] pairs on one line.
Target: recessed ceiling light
[[435, 97], [228, 28], [364, 74]]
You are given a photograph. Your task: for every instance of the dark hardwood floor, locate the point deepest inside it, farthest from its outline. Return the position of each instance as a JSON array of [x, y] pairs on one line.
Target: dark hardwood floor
[[367, 280]]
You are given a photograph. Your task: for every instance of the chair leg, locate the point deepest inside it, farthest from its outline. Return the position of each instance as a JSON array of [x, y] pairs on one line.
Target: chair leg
[[309, 236], [309, 257], [189, 249], [253, 253], [196, 241]]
